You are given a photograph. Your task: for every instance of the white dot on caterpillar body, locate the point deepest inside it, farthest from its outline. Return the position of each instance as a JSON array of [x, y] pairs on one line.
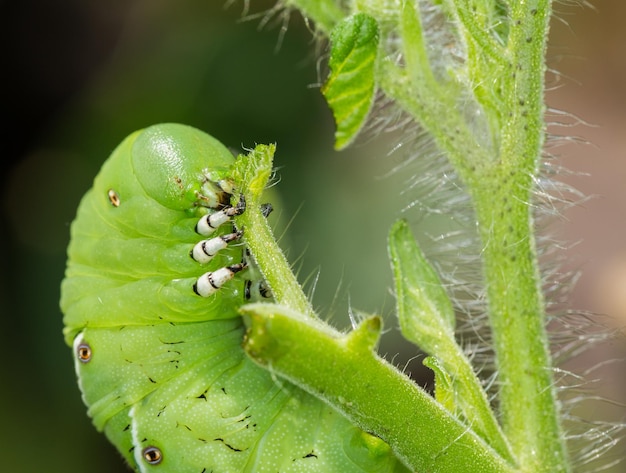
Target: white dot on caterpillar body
[[210, 282]]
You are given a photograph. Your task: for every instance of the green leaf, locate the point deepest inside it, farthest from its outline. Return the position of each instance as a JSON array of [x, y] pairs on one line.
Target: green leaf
[[427, 319], [349, 89], [444, 392], [424, 308]]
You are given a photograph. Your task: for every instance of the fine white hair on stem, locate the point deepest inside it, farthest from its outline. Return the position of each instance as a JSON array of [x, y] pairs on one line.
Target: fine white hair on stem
[[440, 212]]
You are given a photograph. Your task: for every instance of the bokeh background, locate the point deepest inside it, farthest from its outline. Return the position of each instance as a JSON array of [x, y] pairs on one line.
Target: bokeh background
[[81, 75]]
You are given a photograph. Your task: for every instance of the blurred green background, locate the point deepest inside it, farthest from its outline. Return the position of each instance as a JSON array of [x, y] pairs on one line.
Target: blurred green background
[[81, 75]]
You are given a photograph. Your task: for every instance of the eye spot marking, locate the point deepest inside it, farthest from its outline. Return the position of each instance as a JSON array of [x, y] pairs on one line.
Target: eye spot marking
[[152, 455], [83, 352], [114, 198]]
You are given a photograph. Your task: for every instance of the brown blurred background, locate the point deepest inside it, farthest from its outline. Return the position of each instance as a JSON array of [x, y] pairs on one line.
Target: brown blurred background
[[81, 75]]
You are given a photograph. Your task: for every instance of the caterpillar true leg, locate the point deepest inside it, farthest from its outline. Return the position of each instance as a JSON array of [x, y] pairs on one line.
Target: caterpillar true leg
[[205, 250], [266, 209], [254, 288], [211, 222], [210, 282]]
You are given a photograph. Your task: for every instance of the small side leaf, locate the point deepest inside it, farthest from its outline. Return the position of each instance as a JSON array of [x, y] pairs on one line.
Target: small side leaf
[[424, 308], [444, 392], [427, 318], [349, 89]]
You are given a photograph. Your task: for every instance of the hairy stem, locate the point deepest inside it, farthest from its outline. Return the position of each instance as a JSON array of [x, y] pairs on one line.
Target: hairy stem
[[516, 308], [325, 13], [251, 175], [345, 372], [502, 75]]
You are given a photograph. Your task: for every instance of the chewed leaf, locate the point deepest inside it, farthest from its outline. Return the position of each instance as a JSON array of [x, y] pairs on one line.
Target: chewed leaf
[[350, 86], [252, 171], [424, 309]]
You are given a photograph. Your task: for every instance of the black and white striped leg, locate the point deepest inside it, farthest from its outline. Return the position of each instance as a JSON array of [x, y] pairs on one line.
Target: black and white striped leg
[[255, 290], [204, 251], [266, 209], [211, 222], [211, 282]]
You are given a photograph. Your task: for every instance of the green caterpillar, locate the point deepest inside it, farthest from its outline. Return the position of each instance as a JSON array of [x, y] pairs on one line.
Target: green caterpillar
[[155, 276]]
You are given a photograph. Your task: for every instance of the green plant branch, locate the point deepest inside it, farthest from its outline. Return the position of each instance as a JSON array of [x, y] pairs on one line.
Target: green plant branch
[[251, 175], [325, 13], [527, 398], [432, 104], [345, 372], [416, 57], [475, 21], [526, 394], [436, 114], [500, 185], [504, 75], [427, 319]]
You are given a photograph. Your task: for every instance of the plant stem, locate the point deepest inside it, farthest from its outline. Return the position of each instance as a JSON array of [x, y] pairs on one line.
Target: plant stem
[[251, 176], [502, 199], [516, 311], [500, 182], [505, 77], [325, 13], [345, 372]]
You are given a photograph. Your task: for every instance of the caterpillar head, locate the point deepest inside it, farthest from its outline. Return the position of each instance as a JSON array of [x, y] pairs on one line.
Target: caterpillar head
[[160, 157]]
